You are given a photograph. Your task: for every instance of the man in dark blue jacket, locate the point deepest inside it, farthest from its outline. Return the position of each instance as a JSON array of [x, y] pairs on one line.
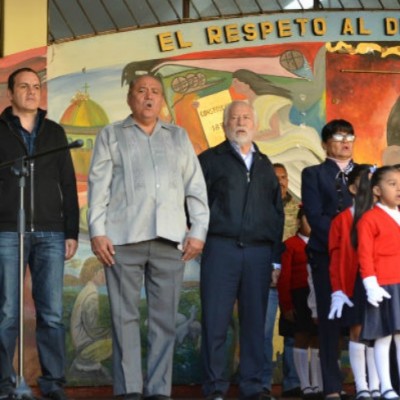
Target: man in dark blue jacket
[[244, 240], [52, 222]]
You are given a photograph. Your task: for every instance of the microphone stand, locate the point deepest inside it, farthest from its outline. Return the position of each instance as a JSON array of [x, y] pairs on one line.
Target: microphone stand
[[19, 168]]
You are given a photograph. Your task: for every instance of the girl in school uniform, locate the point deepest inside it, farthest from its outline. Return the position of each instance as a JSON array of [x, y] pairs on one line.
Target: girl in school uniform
[[293, 291], [377, 236], [348, 290]]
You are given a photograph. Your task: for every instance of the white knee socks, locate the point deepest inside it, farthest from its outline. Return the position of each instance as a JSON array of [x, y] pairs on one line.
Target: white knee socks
[[381, 353], [373, 379], [358, 365], [316, 375], [300, 359]]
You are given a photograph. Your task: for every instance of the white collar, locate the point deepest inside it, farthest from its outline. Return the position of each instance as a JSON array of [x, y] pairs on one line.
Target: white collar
[[394, 213]]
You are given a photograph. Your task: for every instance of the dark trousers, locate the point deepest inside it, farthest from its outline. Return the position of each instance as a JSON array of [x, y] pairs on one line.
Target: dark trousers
[[394, 368], [230, 273], [329, 331]]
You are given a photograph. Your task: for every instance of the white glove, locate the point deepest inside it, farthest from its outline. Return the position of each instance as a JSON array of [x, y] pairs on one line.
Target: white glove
[[375, 293], [338, 300]]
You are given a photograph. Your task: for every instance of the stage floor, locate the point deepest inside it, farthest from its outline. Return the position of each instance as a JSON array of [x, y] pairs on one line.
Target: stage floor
[[189, 392]]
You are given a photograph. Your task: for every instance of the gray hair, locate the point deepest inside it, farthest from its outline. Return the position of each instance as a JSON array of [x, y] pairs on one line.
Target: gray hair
[[133, 82], [227, 111]]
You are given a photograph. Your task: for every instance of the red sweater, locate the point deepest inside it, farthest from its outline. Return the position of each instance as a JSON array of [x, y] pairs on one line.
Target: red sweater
[[343, 264], [294, 271], [379, 246]]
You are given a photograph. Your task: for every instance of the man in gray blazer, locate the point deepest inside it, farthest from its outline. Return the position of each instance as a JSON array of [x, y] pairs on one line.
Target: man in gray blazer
[[143, 174]]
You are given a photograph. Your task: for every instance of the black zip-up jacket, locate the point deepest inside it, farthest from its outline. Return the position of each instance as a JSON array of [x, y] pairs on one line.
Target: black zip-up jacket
[[244, 205], [51, 202]]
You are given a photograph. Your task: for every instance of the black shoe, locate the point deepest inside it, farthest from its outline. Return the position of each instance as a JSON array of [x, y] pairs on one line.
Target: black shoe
[[6, 392], [58, 394], [363, 395], [383, 395], [345, 396], [215, 396], [294, 392], [258, 396], [308, 393], [319, 395], [158, 397], [376, 394], [336, 397], [133, 396], [266, 394]]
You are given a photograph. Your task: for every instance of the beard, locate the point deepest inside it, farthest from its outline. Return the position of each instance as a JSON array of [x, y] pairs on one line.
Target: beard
[[240, 137]]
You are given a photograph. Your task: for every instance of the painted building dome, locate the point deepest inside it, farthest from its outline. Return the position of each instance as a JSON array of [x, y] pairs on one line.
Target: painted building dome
[[82, 120], [84, 112]]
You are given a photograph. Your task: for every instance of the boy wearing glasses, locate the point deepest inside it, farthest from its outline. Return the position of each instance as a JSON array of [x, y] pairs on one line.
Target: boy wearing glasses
[[324, 195]]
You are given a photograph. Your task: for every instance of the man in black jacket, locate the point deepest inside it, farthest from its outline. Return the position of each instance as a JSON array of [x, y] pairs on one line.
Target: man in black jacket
[[52, 221], [244, 240]]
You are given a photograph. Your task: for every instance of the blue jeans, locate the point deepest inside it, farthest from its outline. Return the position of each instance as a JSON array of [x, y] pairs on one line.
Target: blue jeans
[[290, 378], [44, 252]]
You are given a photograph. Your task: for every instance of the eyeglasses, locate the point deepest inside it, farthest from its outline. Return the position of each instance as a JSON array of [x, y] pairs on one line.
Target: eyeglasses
[[341, 137]]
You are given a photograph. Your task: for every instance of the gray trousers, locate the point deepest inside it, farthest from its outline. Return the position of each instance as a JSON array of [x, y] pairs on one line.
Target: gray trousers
[[159, 263]]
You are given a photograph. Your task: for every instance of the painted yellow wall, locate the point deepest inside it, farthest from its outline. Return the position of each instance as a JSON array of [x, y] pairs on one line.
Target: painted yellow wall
[[24, 25]]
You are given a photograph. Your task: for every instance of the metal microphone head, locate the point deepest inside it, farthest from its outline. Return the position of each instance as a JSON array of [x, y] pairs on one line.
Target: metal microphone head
[[75, 144]]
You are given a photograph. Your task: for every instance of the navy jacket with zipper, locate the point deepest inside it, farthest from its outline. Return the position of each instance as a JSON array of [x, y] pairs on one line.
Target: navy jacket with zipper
[[51, 202], [244, 205]]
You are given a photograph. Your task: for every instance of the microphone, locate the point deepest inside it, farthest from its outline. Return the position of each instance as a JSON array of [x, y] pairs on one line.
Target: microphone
[[75, 144]]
